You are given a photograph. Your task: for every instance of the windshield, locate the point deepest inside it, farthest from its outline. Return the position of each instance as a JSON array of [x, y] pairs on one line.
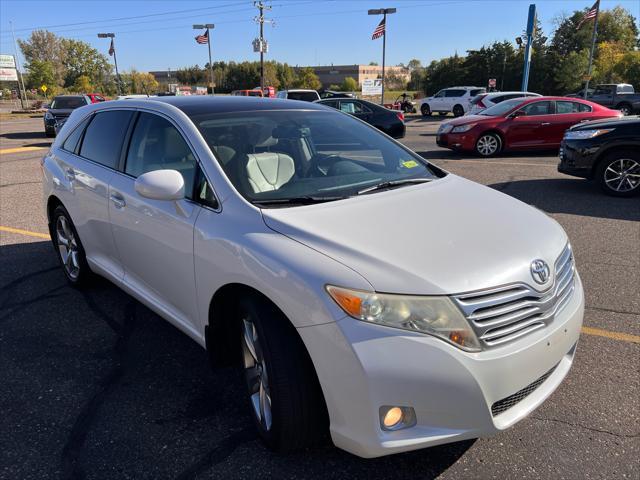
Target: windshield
[[304, 96], [68, 102], [501, 108], [279, 155]]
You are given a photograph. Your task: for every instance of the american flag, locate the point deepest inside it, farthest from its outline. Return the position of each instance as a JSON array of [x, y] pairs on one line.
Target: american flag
[[593, 11], [112, 49], [203, 39], [379, 31]]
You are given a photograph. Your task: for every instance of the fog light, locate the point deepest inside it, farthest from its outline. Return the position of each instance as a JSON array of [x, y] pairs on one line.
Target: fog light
[[397, 418]]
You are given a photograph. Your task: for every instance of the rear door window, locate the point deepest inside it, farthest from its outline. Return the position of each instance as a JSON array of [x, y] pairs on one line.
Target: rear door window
[[72, 141], [538, 108], [454, 93], [102, 142], [571, 107]]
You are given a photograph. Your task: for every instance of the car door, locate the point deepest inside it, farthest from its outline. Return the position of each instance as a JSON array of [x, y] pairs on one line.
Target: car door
[[531, 125], [603, 95], [567, 114], [91, 154], [155, 237], [437, 103], [453, 97]]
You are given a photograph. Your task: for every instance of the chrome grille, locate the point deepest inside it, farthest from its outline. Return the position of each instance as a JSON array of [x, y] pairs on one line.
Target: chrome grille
[[506, 403], [502, 314]]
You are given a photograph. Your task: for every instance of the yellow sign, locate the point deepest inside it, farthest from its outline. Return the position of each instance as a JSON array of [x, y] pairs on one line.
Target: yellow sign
[[44, 88], [586, 78]]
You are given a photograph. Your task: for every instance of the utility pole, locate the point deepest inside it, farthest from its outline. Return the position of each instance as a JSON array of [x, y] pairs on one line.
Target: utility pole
[[18, 68], [112, 51], [384, 12], [259, 44], [531, 25], [208, 26], [504, 67]]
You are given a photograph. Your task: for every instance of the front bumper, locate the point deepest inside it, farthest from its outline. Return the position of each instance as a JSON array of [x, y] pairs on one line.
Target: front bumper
[[456, 141], [362, 367], [577, 157]]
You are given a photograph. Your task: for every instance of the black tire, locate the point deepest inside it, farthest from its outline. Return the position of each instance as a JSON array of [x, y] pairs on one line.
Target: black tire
[[74, 264], [458, 111], [50, 134], [488, 145], [425, 110], [619, 164], [625, 108], [299, 416]]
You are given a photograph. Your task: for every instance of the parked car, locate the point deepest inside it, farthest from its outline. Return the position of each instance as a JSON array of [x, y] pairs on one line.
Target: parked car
[[619, 96], [134, 96], [607, 151], [485, 100], [333, 94], [299, 94], [96, 97], [248, 93], [454, 99], [580, 93], [60, 108], [519, 124], [390, 122], [404, 102], [276, 259], [269, 92]]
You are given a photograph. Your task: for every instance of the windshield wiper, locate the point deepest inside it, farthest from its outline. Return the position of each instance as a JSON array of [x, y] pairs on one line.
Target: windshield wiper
[[392, 184], [306, 200]]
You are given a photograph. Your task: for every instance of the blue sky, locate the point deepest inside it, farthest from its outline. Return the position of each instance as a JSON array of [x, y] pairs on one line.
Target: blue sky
[[315, 32]]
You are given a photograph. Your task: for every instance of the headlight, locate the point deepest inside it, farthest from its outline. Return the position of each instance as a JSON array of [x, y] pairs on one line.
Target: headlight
[[48, 115], [463, 128], [444, 128], [583, 134], [436, 316]]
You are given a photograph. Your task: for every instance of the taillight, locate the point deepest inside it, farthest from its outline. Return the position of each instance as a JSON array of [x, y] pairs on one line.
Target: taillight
[[480, 104], [400, 116]]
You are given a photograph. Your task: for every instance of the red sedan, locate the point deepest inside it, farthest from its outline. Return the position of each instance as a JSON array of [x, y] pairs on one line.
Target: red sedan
[[519, 124]]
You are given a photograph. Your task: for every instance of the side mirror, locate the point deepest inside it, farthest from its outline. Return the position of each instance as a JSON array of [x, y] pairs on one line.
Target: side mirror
[[161, 185]]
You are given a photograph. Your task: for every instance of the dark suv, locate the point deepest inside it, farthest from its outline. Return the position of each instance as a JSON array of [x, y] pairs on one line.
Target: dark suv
[[60, 109], [607, 151]]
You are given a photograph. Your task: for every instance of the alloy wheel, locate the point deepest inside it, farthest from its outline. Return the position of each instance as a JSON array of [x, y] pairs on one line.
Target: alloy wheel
[[67, 247], [255, 370], [487, 145], [622, 175]]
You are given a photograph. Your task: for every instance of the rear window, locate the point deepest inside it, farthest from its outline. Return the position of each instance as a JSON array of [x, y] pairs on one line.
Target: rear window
[[304, 96], [103, 138], [68, 102], [475, 92], [477, 98]]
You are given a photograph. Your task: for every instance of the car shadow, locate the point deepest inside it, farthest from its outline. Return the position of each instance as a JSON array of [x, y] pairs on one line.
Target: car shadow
[[446, 154], [121, 391], [570, 195], [23, 135]]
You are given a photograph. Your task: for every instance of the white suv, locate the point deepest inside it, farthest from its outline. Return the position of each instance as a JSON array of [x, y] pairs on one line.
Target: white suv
[[299, 94], [455, 99]]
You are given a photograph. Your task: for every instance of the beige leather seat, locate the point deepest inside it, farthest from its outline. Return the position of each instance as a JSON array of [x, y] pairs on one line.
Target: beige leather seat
[[269, 170]]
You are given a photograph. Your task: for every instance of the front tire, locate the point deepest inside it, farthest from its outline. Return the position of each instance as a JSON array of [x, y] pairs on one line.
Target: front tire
[[619, 174], [626, 109], [287, 404], [425, 110], [69, 248], [488, 145]]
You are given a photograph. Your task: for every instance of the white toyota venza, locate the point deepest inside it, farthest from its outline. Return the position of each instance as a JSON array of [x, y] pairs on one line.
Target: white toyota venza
[[364, 292]]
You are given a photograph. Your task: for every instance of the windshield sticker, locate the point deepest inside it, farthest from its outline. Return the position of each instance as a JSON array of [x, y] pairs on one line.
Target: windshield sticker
[[410, 164]]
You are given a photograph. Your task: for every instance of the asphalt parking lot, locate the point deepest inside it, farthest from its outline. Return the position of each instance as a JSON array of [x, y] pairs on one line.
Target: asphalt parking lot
[[94, 385]]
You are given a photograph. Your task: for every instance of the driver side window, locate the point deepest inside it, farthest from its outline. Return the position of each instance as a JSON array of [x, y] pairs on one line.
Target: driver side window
[[440, 94], [537, 108]]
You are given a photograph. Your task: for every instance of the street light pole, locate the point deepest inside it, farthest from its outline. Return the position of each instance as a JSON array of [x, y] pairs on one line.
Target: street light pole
[[208, 26], [384, 12], [112, 51]]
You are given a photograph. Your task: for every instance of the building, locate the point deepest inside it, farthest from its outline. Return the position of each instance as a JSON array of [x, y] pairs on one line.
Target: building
[[336, 74]]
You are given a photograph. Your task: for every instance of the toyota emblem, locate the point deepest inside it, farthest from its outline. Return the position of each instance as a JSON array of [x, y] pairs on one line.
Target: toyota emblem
[[540, 271]]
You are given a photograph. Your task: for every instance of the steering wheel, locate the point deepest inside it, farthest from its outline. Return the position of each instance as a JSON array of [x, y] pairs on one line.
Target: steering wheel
[[319, 159]]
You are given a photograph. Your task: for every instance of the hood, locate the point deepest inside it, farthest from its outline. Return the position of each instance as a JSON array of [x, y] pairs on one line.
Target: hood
[[617, 121], [444, 237], [468, 119], [61, 111]]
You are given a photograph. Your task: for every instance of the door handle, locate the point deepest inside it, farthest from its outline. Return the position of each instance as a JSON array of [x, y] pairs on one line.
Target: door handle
[[70, 174], [118, 200], [544, 124]]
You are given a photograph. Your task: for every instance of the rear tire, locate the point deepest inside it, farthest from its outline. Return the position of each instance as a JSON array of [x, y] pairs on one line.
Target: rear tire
[[285, 397], [458, 111], [425, 110], [619, 173], [488, 145], [69, 248], [625, 108]]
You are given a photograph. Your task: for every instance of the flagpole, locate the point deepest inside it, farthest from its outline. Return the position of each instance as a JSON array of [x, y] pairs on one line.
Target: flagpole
[[384, 49], [593, 46], [210, 64], [112, 48]]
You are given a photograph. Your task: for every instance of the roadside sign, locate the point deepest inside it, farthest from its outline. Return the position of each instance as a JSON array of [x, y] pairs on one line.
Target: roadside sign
[[7, 61], [492, 83], [586, 78], [372, 86], [44, 88], [8, 75]]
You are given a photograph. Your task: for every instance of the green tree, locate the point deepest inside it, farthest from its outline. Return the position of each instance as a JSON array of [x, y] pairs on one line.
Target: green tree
[[308, 79], [568, 74], [609, 55], [81, 59], [83, 84], [40, 72], [349, 85], [44, 46], [628, 69], [286, 75], [414, 64]]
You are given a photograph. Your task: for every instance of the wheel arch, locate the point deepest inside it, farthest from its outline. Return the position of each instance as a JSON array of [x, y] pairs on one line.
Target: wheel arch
[[607, 151], [52, 203], [499, 134]]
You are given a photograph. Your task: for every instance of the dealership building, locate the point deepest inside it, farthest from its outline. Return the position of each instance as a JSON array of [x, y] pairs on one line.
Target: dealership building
[[335, 74]]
